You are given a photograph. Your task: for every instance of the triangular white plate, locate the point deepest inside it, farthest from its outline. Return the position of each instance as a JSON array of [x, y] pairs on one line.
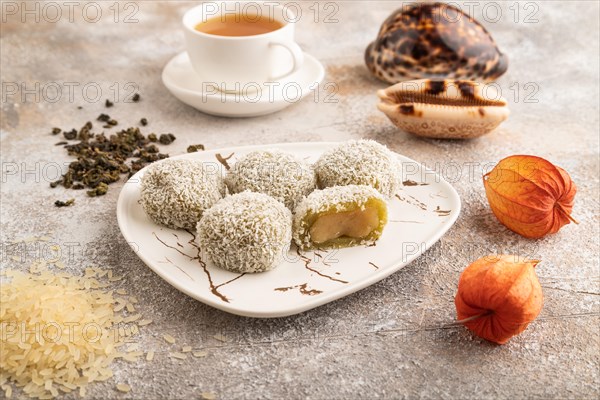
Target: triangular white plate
[[421, 212], [182, 81]]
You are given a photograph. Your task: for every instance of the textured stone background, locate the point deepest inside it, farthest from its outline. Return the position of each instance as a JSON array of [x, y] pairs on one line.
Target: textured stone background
[[384, 341]]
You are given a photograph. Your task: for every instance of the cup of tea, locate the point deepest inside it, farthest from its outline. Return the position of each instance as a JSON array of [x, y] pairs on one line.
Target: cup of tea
[[237, 46]]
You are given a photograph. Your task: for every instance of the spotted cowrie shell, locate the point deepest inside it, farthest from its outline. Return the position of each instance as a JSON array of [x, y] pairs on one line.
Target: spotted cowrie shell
[[434, 41]]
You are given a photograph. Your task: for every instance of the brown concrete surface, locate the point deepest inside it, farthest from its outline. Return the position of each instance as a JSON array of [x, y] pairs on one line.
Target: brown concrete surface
[[385, 341]]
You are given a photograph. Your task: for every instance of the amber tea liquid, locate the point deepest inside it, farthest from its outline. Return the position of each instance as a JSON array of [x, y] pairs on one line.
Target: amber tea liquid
[[238, 25]]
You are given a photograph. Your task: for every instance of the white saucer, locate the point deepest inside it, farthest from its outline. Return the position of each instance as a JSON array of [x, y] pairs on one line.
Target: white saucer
[[183, 82]]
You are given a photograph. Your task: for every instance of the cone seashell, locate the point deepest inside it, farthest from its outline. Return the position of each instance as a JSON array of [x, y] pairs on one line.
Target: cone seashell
[[434, 40], [443, 109]]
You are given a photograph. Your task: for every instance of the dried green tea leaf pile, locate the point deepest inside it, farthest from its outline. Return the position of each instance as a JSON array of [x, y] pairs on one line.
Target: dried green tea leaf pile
[[101, 159]]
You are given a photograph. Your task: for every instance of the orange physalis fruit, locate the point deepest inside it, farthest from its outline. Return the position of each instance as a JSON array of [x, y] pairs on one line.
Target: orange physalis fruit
[[498, 296], [530, 196]]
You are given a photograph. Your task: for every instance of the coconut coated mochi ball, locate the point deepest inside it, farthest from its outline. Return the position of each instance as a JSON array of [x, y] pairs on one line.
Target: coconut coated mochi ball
[[274, 173], [246, 232], [360, 162], [175, 193]]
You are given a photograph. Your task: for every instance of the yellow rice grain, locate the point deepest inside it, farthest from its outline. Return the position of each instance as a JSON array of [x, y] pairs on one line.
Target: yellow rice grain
[[150, 356], [132, 318], [178, 355], [123, 387], [221, 338], [168, 338], [132, 356], [7, 391]]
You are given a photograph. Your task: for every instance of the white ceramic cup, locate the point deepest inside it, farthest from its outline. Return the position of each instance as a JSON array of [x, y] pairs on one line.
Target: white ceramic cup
[[237, 63]]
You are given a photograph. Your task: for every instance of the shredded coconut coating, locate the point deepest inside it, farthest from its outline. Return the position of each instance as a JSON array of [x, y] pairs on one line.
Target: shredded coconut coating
[[337, 199], [360, 162], [175, 193], [246, 232], [274, 173]]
